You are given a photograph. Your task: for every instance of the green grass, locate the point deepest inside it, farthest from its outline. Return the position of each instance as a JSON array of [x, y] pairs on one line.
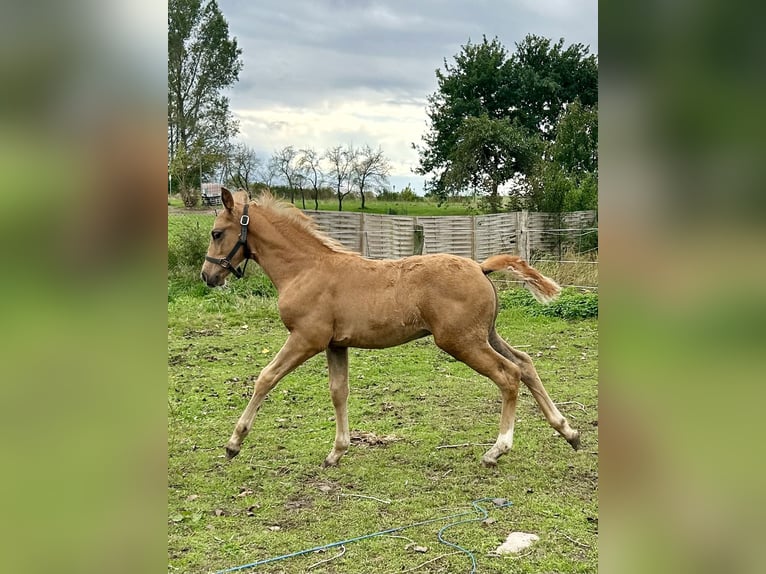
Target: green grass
[[371, 206], [220, 513], [394, 207]]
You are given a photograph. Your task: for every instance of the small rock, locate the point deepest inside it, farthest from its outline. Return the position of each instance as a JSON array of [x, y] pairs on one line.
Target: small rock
[[516, 542]]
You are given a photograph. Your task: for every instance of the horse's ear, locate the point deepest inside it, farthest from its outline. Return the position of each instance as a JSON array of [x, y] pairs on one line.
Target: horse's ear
[[227, 199]]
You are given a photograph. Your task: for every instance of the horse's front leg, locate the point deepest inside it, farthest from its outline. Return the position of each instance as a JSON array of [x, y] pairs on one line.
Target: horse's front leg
[[337, 363], [294, 352]]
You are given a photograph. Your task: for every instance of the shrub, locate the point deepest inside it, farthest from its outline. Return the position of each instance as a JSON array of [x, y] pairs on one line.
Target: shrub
[[190, 196], [187, 246], [571, 304]]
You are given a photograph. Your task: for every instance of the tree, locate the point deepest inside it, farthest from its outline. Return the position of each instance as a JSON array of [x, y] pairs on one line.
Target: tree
[[370, 167], [202, 61], [341, 160], [286, 164], [487, 153], [310, 165], [182, 165], [519, 96], [267, 173], [565, 177], [243, 165], [544, 78]]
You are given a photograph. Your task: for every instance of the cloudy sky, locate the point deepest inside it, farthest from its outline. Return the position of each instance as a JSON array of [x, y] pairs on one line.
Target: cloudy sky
[[321, 73]]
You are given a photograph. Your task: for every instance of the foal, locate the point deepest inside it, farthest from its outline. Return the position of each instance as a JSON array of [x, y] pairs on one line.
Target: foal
[[331, 299]]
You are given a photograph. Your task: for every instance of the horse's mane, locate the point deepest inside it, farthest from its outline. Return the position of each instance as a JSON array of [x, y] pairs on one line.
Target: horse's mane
[[287, 212]]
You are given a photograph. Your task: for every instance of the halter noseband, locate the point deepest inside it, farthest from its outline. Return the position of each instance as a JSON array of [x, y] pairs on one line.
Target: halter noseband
[[242, 242]]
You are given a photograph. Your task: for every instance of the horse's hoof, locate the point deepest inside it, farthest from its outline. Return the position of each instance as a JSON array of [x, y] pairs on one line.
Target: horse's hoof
[[329, 463], [575, 441], [231, 452], [488, 462]]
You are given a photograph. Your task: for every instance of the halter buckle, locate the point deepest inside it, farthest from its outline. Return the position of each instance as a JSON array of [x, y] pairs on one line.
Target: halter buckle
[[245, 219]]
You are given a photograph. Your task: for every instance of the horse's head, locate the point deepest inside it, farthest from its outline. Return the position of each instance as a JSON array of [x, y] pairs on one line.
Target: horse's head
[[228, 241]]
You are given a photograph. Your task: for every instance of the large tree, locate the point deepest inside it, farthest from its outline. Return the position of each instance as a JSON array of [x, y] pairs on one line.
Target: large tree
[[202, 62], [513, 100], [487, 154]]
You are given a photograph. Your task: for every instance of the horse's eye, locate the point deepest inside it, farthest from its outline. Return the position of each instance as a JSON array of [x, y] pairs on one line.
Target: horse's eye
[[216, 234]]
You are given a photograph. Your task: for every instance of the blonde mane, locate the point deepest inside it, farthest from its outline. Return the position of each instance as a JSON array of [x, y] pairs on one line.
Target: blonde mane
[[284, 211]]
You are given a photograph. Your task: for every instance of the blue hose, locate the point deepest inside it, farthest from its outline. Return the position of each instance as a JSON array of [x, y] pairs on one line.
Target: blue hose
[[476, 508]]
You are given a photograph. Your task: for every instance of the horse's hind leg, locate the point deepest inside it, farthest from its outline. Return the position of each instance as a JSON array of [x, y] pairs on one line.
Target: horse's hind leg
[[506, 375], [294, 352], [337, 363], [532, 380]]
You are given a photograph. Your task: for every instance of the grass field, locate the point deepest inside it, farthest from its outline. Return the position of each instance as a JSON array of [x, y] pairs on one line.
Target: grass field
[[371, 206], [405, 403]]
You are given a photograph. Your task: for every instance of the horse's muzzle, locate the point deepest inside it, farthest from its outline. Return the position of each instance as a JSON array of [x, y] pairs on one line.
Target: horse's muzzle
[[211, 280]]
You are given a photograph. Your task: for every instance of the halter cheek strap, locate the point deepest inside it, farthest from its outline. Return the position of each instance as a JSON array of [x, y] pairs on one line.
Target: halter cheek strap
[[225, 262]]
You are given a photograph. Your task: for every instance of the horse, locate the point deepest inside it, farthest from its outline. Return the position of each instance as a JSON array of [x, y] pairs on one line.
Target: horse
[[372, 304]]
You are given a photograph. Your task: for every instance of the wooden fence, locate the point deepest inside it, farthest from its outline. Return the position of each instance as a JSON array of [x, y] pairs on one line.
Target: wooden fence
[[524, 233]]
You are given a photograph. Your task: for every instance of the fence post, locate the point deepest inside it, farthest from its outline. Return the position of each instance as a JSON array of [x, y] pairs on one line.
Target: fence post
[[419, 240], [362, 234], [523, 234]]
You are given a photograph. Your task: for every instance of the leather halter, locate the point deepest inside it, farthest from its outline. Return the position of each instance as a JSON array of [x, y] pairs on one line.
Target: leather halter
[[225, 262]]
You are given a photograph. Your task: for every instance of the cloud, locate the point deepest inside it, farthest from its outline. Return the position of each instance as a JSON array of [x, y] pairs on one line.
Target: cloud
[[322, 73]]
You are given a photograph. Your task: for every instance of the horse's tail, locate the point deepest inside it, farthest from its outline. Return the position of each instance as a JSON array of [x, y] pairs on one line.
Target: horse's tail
[[543, 288]]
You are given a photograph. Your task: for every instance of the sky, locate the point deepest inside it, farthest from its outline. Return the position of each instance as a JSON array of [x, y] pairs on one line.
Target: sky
[[323, 73]]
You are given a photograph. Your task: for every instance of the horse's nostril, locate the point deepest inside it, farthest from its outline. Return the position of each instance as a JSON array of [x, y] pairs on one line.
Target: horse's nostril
[[203, 275]]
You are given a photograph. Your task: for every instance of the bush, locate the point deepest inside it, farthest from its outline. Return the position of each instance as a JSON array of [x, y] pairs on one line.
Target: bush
[[190, 196], [571, 304], [187, 246]]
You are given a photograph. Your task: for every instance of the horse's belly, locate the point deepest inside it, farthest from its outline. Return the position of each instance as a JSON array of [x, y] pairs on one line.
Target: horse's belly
[[373, 334]]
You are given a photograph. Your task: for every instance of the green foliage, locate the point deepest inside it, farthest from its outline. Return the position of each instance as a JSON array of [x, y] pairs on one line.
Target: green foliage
[[483, 94], [487, 153], [565, 177], [187, 244], [571, 304], [202, 62]]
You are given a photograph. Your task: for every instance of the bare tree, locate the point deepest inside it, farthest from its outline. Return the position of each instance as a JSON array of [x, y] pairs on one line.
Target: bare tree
[[286, 162], [244, 164], [310, 164], [370, 167], [267, 173], [341, 161]]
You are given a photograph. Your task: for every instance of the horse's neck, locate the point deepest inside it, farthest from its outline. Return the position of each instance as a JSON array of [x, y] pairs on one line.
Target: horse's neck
[[284, 251]]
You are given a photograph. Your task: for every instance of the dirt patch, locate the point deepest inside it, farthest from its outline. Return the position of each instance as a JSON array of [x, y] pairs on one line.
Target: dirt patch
[[173, 210], [365, 438], [193, 333], [298, 504]]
